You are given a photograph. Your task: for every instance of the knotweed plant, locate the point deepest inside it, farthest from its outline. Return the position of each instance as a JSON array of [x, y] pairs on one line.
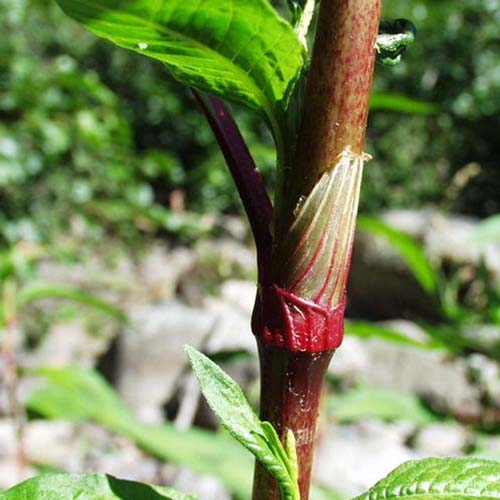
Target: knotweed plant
[[315, 103]]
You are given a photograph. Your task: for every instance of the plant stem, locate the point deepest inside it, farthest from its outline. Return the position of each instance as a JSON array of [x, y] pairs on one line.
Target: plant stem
[[245, 173], [298, 317], [291, 385], [337, 96]]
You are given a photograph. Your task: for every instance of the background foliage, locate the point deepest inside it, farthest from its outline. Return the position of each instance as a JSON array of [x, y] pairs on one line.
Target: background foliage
[[455, 65], [107, 136]]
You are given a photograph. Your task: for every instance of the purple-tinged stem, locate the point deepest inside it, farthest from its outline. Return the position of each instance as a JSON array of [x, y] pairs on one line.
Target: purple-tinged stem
[[246, 176]]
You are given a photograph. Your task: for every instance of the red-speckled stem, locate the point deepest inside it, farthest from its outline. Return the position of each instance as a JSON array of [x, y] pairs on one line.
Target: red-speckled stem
[[337, 96], [291, 385], [296, 328]]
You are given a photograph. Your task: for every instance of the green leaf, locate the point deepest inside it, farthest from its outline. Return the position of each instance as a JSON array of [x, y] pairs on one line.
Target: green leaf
[[409, 250], [366, 329], [80, 395], [88, 487], [440, 478], [41, 291], [238, 49], [228, 402], [394, 102], [372, 403], [225, 397]]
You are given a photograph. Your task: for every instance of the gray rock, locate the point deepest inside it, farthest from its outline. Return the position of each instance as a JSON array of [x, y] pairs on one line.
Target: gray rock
[[440, 439], [489, 447], [232, 312], [421, 223], [350, 360], [50, 443], [487, 372], [351, 458], [124, 460], [237, 227], [447, 237], [432, 375], [4, 400], [123, 279], [11, 474], [151, 354], [69, 343], [380, 283], [159, 272], [232, 330], [7, 438], [483, 338], [201, 486], [240, 294]]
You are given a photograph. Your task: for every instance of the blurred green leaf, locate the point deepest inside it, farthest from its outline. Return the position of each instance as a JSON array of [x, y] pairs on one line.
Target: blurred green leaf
[[443, 478], [365, 403], [380, 101], [80, 395], [366, 329], [409, 250], [228, 402], [467, 335], [88, 487], [40, 291]]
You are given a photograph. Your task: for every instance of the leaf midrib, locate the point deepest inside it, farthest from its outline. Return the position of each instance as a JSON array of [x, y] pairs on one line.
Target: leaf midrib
[[266, 104]]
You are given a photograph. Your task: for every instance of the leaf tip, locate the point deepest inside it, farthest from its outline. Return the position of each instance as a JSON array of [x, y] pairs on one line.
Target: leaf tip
[[192, 354]]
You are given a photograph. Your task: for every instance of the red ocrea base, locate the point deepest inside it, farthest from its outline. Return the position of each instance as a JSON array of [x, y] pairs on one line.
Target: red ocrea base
[[282, 319]]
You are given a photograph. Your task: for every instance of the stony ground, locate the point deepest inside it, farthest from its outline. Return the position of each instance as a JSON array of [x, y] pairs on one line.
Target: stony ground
[[203, 296]]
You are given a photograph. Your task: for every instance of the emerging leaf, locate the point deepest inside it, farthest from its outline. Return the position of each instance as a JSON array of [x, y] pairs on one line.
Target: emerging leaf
[[303, 309], [228, 402]]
